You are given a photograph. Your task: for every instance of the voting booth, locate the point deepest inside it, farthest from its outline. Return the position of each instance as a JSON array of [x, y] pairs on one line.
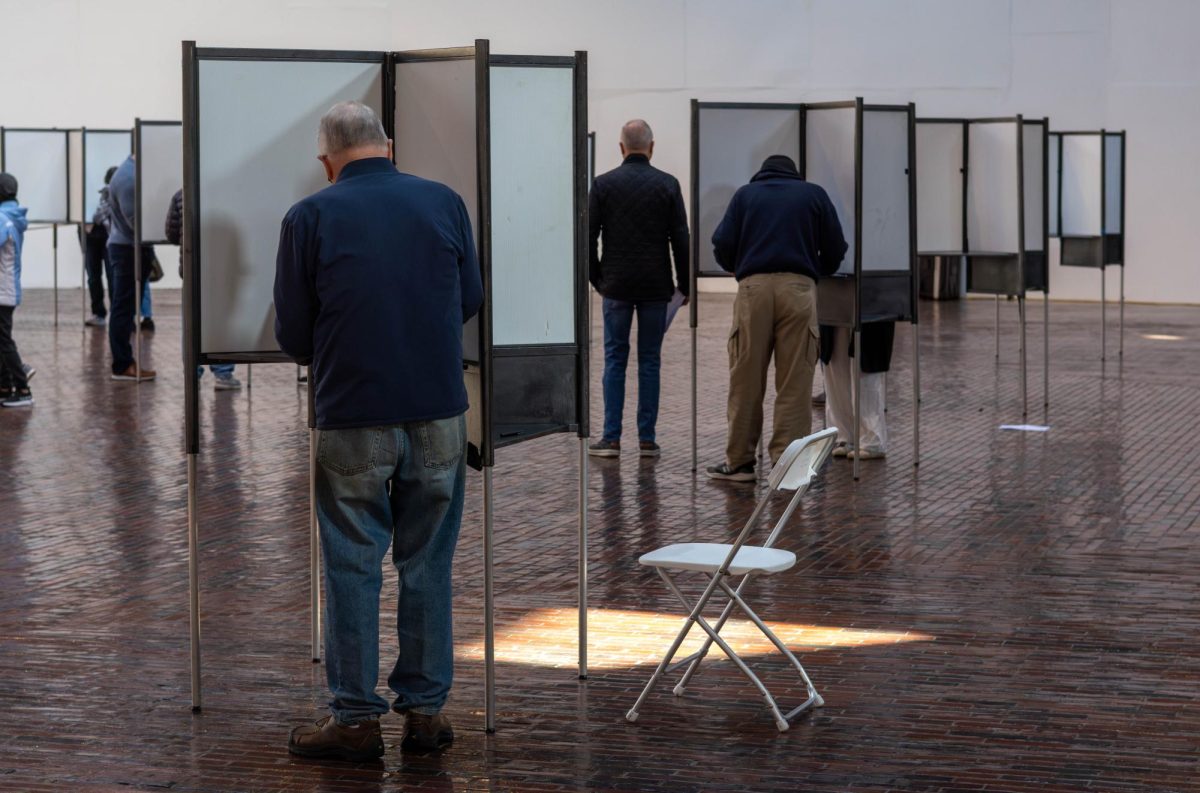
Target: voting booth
[[982, 201], [41, 161], [459, 116], [1087, 194], [863, 156]]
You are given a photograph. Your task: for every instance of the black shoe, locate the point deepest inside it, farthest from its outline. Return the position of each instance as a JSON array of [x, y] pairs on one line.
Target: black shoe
[[18, 399], [356, 742], [819, 400], [147, 324], [744, 473], [649, 449], [604, 448], [425, 733]]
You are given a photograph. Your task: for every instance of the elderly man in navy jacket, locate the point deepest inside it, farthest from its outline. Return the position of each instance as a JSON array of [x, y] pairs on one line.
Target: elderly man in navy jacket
[[375, 277], [780, 234]]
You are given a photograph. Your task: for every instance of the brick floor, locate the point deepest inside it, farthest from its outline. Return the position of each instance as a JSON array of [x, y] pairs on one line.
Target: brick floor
[[1016, 614]]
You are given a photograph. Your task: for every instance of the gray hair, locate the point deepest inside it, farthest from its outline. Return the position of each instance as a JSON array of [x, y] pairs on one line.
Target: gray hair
[[349, 125], [636, 135]]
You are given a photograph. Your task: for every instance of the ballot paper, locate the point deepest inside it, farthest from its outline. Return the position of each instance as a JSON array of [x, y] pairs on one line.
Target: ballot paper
[[673, 308], [1025, 427]]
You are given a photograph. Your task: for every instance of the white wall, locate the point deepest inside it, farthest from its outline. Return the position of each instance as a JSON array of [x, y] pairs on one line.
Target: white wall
[[1129, 64]]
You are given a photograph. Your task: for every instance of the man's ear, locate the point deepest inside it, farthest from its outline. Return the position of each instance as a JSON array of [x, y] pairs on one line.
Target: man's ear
[[328, 168], [623, 153], [650, 153], [391, 150]]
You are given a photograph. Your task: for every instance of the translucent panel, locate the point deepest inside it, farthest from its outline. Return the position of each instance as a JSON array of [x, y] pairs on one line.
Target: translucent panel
[[1034, 156], [1053, 157], [435, 138], [939, 186], [258, 147], [733, 142], [75, 169], [38, 158], [160, 168], [829, 162], [101, 151], [885, 200], [1114, 192], [1081, 185], [533, 205], [993, 200]]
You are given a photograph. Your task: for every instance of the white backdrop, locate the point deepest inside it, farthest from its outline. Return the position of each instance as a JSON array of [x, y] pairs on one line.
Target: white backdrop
[[1129, 64]]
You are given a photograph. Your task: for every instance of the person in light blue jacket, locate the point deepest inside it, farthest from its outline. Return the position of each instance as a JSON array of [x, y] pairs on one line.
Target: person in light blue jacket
[[14, 373]]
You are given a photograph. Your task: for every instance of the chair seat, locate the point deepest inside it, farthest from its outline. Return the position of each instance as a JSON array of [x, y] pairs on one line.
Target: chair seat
[[706, 557]]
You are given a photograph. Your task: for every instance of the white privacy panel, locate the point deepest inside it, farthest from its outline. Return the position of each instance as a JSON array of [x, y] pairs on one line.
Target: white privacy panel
[[1080, 185], [1113, 187], [1053, 165], [533, 206], [75, 174], [733, 143], [257, 150], [1033, 154], [38, 159], [829, 162], [101, 151], [435, 138], [939, 186], [885, 200], [160, 169], [993, 200]]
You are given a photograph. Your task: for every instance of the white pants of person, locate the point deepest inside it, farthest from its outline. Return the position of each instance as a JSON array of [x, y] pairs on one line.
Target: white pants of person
[[839, 398]]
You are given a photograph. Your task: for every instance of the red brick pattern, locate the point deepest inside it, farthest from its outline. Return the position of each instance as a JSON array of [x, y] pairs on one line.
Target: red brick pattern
[[1017, 614]]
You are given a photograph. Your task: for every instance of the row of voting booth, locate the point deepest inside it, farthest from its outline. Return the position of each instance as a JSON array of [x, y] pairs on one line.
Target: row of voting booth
[[507, 133], [863, 156], [61, 173]]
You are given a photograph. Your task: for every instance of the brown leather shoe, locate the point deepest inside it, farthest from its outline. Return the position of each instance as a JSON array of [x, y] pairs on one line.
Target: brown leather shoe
[[131, 373], [356, 742], [425, 733]]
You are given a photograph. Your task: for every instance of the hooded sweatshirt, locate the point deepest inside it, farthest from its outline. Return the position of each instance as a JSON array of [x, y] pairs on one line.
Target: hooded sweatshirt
[[12, 236], [780, 223]]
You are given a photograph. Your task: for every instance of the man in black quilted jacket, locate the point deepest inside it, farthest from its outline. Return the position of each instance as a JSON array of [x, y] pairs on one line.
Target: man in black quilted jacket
[[638, 219]]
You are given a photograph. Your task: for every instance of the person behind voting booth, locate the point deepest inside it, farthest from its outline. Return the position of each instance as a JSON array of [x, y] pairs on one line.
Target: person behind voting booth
[[375, 277], [120, 253], [779, 236], [15, 374], [637, 212], [95, 256], [837, 351]]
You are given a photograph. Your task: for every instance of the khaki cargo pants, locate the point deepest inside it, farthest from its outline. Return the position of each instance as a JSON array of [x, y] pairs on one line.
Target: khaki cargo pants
[[774, 313]]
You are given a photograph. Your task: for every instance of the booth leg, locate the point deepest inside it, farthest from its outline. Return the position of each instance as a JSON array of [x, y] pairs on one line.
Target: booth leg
[[55, 243], [1121, 326], [997, 327], [856, 363], [583, 559], [694, 405], [1103, 313], [193, 580], [249, 375], [137, 312], [314, 549], [1045, 349], [83, 287], [1024, 374], [489, 626], [916, 395]]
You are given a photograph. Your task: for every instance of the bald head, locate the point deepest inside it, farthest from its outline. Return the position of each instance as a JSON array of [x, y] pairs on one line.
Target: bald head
[[350, 131], [637, 138]]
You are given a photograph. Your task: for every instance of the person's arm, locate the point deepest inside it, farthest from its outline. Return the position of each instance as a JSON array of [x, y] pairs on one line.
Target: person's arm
[[121, 201], [725, 238], [594, 226], [174, 224], [295, 285], [471, 282], [680, 243], [832, 242]]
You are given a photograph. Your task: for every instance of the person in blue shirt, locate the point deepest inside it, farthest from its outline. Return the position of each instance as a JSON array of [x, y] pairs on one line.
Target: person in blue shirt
[[375, 276], [14, 373], [122, 290]]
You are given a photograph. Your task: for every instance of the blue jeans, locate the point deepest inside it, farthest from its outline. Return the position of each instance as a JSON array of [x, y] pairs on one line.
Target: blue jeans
[[652, 324], [121, 314], [147, 308], [218, 369], [400, 485]]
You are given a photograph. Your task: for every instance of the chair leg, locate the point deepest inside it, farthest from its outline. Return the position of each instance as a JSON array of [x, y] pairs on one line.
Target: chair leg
[[780, 721], [708, 642]]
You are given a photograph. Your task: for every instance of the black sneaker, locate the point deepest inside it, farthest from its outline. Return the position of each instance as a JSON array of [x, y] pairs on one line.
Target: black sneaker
[[18, 399], [147, 324], [744, 473], [649, 449], [819, 400], [603, 448]]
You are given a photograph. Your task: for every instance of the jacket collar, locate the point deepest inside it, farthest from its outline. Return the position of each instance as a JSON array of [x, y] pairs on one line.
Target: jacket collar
[[775, 171], [636, 158], [365, 166]]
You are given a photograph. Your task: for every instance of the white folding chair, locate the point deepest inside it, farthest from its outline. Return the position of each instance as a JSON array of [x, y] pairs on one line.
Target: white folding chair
[[795, 471]]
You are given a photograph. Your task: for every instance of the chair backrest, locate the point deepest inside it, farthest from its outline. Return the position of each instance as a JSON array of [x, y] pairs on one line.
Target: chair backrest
[[801, 460]]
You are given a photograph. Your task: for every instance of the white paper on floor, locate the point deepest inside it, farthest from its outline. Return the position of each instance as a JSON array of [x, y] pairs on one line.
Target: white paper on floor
[[1024, 427]]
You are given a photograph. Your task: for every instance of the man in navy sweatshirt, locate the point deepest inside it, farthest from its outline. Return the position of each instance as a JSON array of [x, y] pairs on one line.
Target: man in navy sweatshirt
[[122, 312], [780, 234], [374, 279]]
